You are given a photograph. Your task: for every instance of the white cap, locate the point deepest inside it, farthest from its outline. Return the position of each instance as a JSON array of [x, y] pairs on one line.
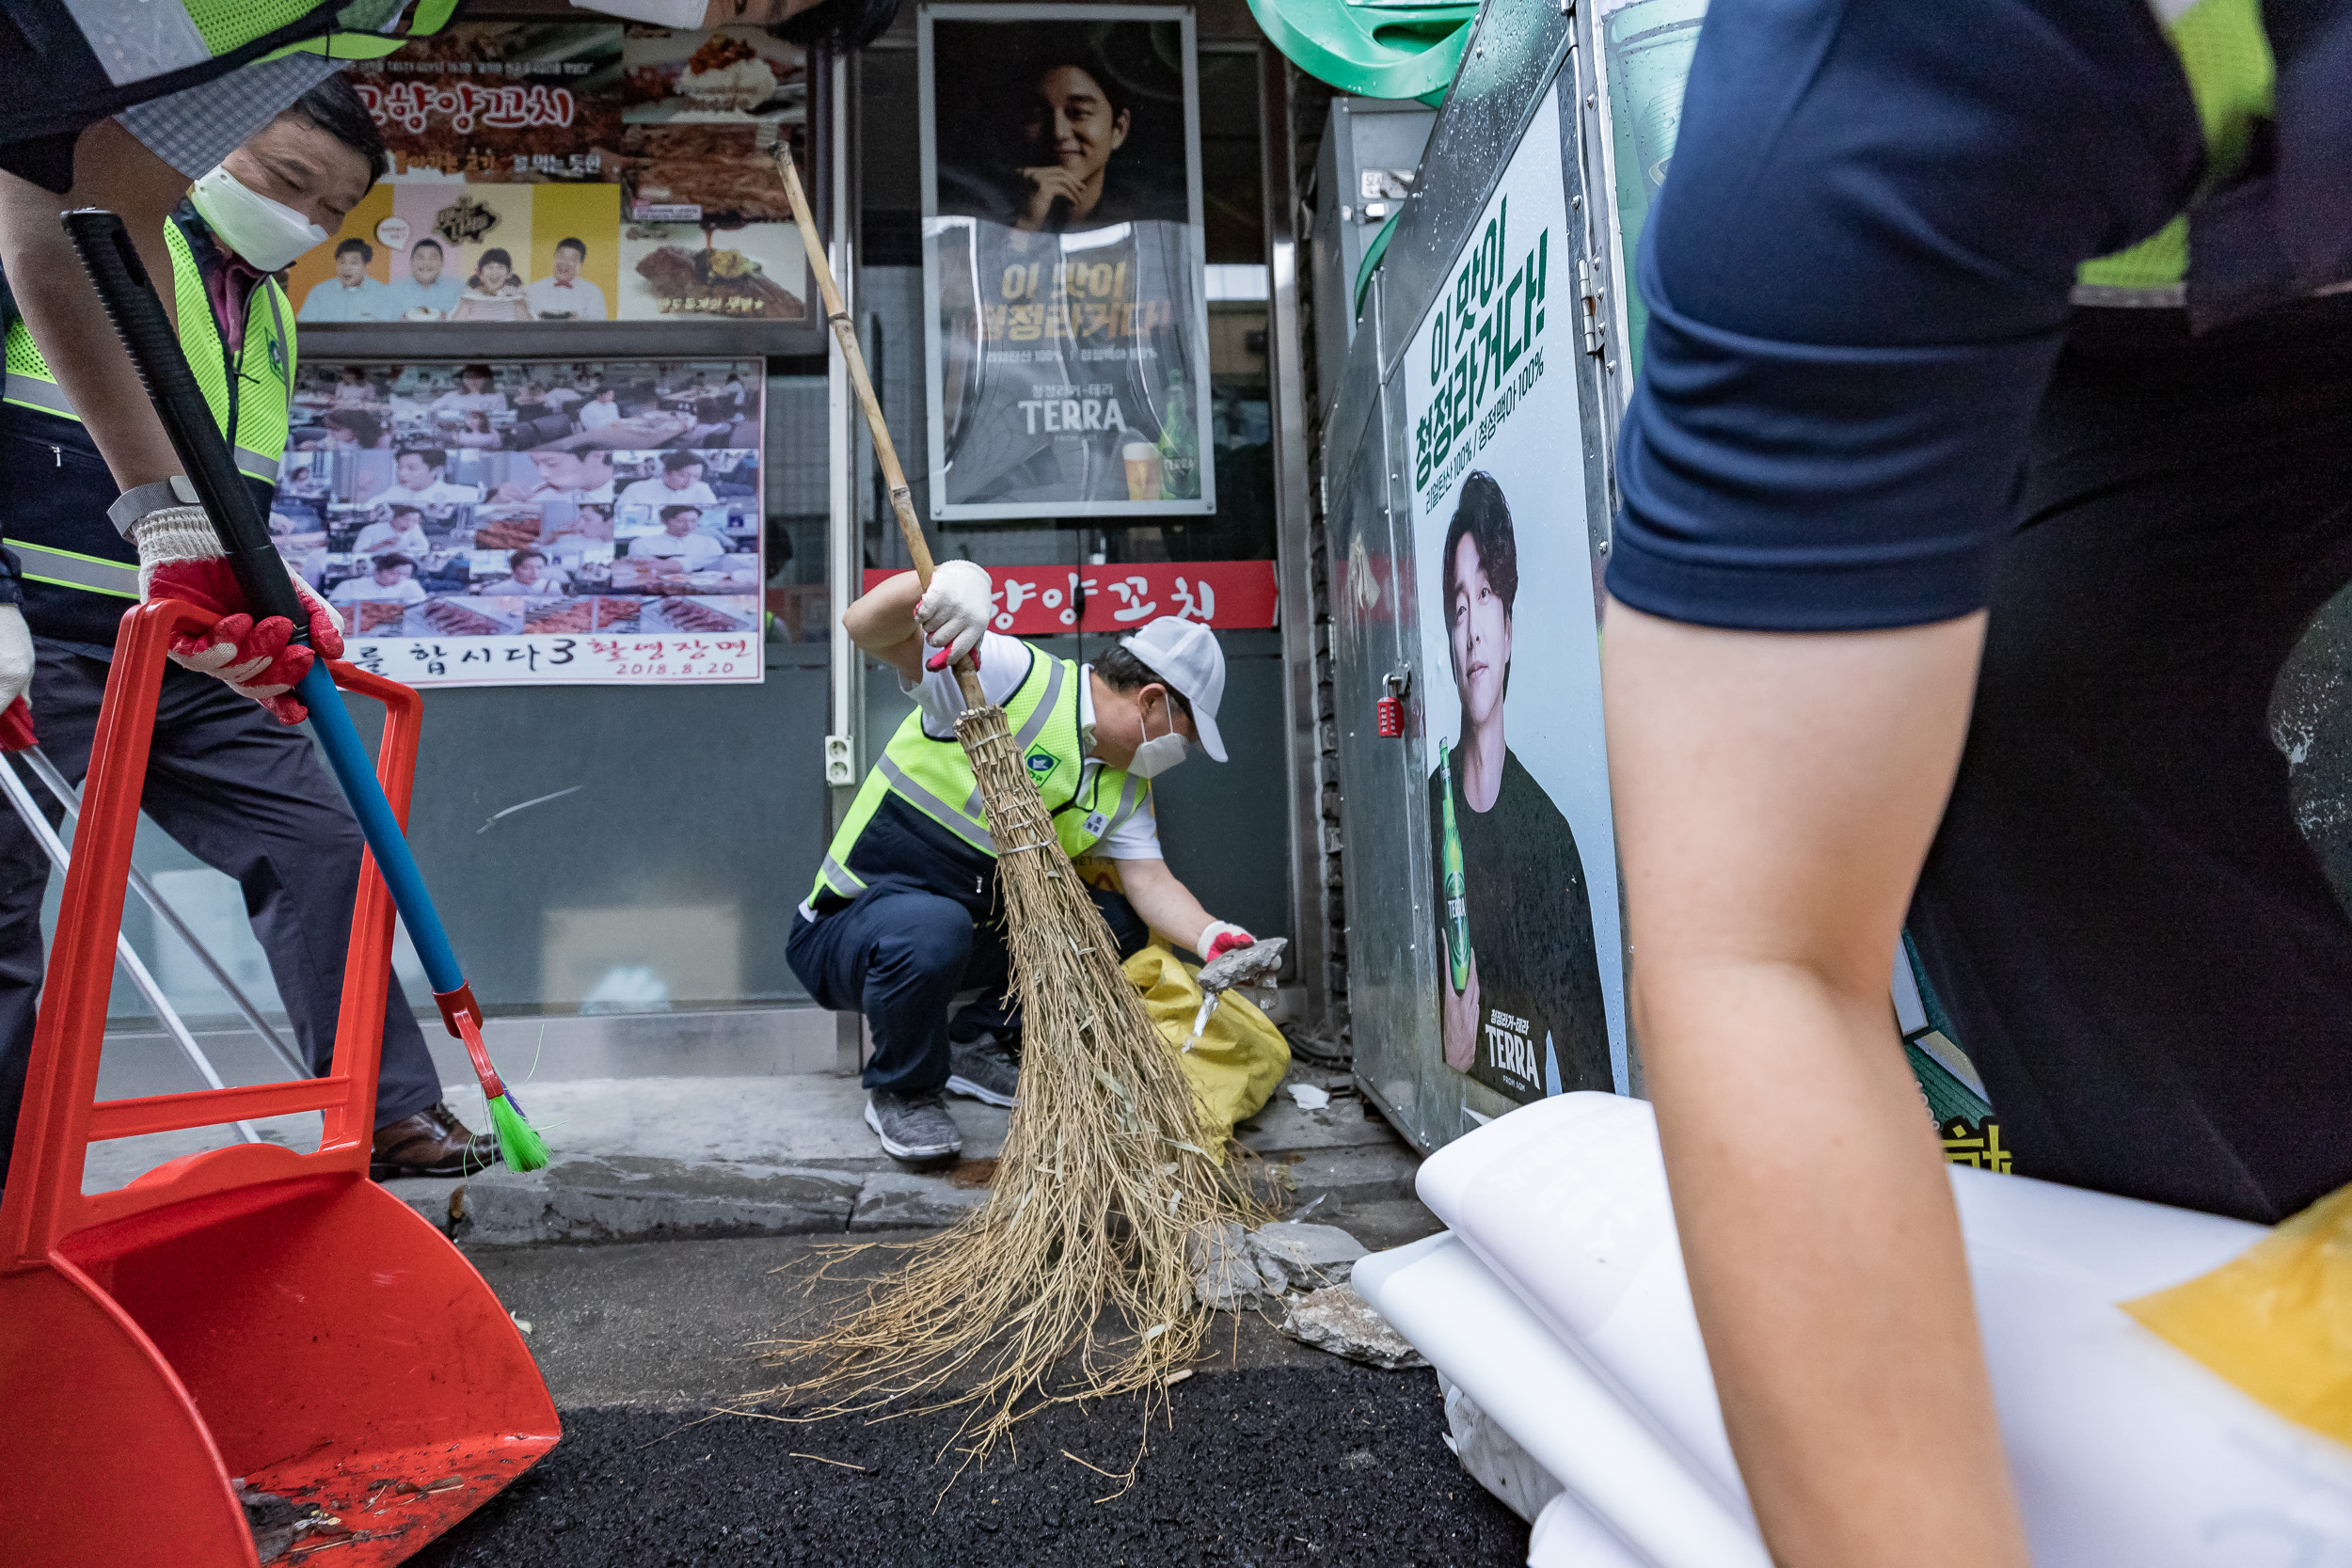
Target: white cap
[[1185, 655]]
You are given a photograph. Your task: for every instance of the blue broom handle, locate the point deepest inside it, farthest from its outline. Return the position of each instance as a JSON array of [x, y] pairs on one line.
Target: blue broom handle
[[347, 755]]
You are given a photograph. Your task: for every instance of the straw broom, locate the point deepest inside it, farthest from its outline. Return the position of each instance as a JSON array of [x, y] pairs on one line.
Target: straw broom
[[1077, 1280]]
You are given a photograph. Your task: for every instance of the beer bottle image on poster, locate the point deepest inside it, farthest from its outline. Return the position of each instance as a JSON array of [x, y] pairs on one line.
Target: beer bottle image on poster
[[1519, 1001], [1067, 353]]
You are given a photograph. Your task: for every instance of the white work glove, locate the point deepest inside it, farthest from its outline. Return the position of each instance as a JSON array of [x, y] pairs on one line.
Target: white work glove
[[16, 656], [954, 612], [1218, 938], [181, 558]]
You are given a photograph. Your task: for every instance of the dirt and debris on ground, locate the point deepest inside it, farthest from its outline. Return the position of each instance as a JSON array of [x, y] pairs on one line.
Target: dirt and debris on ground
[[1274, 1452], [1335, 1463]]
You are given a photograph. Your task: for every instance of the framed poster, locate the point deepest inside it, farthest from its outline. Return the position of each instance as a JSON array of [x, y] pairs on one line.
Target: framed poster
[[1531, 983], [1066, 333], [569, 173], [532, 522]]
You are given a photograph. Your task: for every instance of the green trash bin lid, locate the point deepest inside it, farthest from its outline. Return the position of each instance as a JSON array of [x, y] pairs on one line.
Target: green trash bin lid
[[1375, 48]]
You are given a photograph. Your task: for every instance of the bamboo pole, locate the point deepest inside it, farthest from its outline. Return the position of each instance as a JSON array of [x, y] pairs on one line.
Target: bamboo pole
[[845, 333]]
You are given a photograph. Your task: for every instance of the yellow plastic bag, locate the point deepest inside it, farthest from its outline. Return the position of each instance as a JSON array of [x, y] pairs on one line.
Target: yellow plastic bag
[[1241, 1056], [2277, 1319]]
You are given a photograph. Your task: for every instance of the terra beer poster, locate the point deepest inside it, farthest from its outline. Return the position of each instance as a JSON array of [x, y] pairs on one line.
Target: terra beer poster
[[1067, 331], [1530, 977]]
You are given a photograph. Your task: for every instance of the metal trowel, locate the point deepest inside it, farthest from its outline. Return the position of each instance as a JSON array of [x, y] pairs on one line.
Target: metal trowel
[[1253, 965]]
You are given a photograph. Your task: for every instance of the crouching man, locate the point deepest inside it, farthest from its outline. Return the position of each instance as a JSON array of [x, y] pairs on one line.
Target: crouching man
[[905, 915]]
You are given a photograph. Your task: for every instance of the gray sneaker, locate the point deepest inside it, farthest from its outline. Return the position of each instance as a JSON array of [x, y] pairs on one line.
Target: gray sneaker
[[984, 1071], [913, 1127]]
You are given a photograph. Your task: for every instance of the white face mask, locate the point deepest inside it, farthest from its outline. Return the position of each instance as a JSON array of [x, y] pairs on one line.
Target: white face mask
[[266, 234], [1158, 752]]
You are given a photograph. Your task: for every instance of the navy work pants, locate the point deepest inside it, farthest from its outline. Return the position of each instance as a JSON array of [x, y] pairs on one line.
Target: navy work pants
[[899, 955], [247, 795]]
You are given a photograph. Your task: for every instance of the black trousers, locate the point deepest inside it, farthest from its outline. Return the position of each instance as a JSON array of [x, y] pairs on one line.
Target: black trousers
[[2137, 948], [900, 954], [247, 795]]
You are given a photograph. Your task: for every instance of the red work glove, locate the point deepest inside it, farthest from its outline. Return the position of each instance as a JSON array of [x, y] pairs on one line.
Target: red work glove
[[1220, 937], [181, 558], [16, 727]]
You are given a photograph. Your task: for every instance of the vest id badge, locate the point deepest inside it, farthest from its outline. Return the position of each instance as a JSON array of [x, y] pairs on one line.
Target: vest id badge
[[1040, 761], [1096, 822]]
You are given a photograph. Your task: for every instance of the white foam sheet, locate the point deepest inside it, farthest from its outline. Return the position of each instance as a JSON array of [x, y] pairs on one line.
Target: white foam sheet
[[1567, 1535], [2124, 1450], [1483, 1338]]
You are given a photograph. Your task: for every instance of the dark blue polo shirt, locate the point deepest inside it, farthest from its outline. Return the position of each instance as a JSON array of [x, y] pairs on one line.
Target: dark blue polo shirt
[[1858, 276]]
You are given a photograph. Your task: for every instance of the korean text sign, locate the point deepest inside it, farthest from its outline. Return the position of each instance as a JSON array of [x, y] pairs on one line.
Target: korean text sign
[[532, 523], [1036, 601], [571, 172]]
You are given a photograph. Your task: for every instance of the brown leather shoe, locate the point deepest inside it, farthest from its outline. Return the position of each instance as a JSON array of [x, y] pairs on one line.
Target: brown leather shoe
[[431, 1143]]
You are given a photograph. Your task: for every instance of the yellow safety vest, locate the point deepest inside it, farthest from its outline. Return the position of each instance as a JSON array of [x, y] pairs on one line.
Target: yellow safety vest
[[263, 372], [935, 778], [2233, 77]]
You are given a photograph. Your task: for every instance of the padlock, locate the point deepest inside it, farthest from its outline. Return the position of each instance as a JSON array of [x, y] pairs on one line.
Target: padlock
[[1392, 715]]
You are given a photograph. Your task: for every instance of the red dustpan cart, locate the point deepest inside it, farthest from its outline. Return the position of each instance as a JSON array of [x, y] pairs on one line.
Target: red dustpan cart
[[248, 1311]]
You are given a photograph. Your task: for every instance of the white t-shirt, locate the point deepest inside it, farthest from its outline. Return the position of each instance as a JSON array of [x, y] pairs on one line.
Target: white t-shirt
[[439, 493], [1004, 665], [697, 550], [595, 414], [653, 492], [551, 580], [406, 591], [383, 538], [578, 299]]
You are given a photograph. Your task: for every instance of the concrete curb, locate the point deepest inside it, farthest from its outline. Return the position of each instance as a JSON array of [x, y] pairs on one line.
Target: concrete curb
[[631, 1197]]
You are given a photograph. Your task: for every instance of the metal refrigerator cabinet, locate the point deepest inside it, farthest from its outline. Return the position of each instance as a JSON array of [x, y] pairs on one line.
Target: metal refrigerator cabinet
[[1499, 258]]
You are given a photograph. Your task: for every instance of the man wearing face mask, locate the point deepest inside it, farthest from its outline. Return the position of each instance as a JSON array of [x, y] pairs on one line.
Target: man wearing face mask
[[234, 783], [904, 913]]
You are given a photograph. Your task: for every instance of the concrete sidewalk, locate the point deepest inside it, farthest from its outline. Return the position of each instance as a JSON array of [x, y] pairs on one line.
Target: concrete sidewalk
[[638, 1158]]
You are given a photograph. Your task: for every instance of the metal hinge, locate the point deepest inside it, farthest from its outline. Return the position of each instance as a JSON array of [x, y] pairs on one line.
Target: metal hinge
[[1589, 294]]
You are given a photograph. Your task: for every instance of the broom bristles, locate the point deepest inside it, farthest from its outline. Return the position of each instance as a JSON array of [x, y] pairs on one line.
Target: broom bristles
[[519, 1143], [1077, 1280]]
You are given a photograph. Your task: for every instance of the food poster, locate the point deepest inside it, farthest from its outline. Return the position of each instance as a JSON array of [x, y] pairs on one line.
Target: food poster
[[1067, 363], [1645, 52], [563, 172], [1531, 982], [511, 523]]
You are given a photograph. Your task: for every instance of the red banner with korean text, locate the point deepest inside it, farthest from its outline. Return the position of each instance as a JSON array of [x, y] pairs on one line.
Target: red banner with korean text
[[1033, 601]]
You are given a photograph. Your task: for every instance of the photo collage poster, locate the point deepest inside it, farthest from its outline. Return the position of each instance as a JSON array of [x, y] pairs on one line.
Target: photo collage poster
[[568, 171], [513, 523], [1067, 363], [1530, 974]]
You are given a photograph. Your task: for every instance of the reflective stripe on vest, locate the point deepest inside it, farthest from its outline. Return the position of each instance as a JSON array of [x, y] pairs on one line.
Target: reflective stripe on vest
[[973, 832], [2232, 78], [71, 569], [264, 366], [929, 774]]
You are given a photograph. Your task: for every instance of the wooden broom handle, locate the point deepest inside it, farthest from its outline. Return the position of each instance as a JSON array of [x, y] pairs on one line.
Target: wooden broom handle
[[845, 333]]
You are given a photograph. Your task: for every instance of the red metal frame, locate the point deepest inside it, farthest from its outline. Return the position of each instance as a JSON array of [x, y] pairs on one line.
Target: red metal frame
[[245, 1311]]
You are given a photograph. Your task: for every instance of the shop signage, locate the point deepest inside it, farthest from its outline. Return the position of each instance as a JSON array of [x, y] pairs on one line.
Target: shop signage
[[1530, 980], [1066, 328], [532, 523], [1035, 601], [572, 173]]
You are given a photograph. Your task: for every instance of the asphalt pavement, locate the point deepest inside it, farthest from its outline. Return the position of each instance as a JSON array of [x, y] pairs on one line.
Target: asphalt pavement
[[1272, 1452]]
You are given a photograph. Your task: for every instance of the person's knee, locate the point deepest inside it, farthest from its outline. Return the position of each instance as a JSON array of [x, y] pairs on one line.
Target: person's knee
[[925, 936]]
